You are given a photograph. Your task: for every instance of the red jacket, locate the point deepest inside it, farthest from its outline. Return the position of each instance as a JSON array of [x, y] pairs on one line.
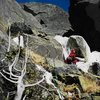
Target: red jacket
[[71, 58]]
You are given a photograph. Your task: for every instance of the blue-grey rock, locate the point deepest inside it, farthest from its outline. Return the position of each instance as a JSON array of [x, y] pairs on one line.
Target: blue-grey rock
[[53, 19]]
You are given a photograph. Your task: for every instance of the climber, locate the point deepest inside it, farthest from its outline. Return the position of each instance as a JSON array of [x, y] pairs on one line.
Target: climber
[[71, 59]]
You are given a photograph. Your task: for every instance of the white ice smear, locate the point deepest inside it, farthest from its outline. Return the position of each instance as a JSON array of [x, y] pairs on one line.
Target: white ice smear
[[63, 41], [16, 40]]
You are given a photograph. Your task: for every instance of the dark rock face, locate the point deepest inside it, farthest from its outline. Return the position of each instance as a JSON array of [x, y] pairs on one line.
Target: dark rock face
[[20, 27], [52, 18], [84, 18], [95, 69]]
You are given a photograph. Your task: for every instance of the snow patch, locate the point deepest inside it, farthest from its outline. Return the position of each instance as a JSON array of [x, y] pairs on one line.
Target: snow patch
[[62, 40], [94, 57], [83, 66], [16, 40]]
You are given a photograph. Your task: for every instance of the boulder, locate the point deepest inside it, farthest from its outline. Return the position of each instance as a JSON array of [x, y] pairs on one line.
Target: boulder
[[53, 19], [47, 48], [78, 43], [95, 69], [10, 11], [74, 42]]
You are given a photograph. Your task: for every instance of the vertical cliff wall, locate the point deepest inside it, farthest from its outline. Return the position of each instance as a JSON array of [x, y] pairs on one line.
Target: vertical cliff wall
[[85, 20]]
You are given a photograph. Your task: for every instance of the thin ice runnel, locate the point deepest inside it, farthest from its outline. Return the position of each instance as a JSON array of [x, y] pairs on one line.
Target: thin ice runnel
[[9, 33]]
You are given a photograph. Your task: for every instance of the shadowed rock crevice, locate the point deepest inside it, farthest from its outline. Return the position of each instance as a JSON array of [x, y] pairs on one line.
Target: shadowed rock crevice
[[31, 11], [95, 69], [84, 18], [20, 27], [53, 19]]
